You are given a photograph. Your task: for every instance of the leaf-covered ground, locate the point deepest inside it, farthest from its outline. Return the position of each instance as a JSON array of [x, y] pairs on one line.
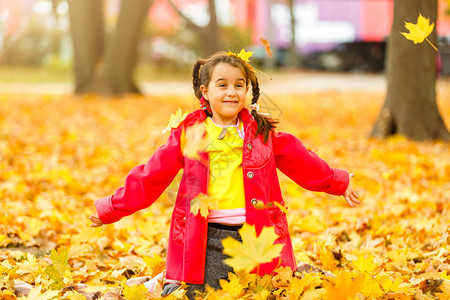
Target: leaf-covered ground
[[59, 154]]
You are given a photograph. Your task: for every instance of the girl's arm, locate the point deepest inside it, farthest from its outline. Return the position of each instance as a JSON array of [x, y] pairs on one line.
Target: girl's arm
[[144, 184], [306, 168]]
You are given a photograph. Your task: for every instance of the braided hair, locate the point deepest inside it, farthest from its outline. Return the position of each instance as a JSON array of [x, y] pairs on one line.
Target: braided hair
[[202, 73]]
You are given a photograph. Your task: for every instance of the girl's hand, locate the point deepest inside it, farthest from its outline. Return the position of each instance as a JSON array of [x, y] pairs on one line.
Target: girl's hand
[[96, 222], [350, 195]]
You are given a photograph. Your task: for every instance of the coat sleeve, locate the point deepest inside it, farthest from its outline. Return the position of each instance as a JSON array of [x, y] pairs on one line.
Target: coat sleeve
[[145, 183], [306, 168]]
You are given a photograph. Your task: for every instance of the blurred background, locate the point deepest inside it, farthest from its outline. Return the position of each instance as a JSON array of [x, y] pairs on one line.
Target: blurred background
[[160, 39]]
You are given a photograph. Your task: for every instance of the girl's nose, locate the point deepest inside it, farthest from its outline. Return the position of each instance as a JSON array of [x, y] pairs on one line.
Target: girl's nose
[[231, 92]]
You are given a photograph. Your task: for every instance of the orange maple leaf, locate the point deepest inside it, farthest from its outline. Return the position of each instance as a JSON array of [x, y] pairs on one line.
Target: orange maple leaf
[[344, 286], [266, 45]]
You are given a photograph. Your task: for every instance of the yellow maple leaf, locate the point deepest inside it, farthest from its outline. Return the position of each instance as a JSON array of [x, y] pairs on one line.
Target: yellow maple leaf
[[298, 285], [253, 250], [36, 294], [420, 31], [327, 258], [134, 292], [244, 55], [175, 120], [283, 277], [233, 286], [344, 286], [203, 203], [365, 263], [390, 285], [371, 288]]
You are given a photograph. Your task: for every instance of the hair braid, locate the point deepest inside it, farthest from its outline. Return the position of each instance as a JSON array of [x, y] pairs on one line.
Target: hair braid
[[196, 81], [265, 124], [255, 90]]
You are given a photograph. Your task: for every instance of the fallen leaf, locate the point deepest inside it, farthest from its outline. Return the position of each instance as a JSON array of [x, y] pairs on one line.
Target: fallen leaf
[[344, 286], [193, 141]]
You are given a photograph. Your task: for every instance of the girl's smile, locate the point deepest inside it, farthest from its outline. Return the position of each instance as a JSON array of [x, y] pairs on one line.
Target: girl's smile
[[226, 93]]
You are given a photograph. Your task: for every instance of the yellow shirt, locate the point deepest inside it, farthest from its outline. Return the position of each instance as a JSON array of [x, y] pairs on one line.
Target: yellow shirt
[[226, 181]]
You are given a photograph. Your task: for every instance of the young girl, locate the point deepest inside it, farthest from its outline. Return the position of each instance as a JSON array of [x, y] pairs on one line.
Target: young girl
[[238, 168]]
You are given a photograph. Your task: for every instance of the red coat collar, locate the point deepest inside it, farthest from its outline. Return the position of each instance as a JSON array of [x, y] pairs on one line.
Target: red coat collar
[[200, 115]]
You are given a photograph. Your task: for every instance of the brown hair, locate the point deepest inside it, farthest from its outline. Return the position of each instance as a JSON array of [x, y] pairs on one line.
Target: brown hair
[[201, 75]]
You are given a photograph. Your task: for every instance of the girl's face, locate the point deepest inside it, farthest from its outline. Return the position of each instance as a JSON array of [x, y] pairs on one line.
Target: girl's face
[[226, 93]]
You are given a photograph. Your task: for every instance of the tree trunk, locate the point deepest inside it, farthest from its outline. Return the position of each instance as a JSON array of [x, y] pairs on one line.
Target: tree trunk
[[107, 72], [88, 37], [410, 107], [293, 59], [211, 33], [121, 56]]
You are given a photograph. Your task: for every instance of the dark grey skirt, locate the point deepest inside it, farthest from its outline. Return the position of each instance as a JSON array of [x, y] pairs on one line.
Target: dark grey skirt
[[215, 268]]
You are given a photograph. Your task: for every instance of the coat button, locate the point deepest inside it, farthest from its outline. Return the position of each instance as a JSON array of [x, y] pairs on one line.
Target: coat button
[[250, 175], [249, 146], [254, 201]]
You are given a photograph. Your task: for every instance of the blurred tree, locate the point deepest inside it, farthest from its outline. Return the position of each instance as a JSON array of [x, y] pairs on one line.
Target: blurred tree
[[209, 36], [410, 107], [293, 57], [101, 67]]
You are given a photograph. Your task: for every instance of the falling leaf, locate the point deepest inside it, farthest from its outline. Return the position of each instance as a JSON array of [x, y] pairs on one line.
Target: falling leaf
[[253, 250], [194, 141], [282, 207], [175, 120], [203, 203], [266, 45], [420, 31]]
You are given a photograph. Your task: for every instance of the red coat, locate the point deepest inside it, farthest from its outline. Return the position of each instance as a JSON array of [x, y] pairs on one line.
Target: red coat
[[188, 233]]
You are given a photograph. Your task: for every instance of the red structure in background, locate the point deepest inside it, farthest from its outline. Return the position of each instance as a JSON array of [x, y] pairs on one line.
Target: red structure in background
[[376, 19], [320, 24]]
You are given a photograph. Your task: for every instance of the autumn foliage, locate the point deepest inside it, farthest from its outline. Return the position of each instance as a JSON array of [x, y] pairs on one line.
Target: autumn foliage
[[59, 154]]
